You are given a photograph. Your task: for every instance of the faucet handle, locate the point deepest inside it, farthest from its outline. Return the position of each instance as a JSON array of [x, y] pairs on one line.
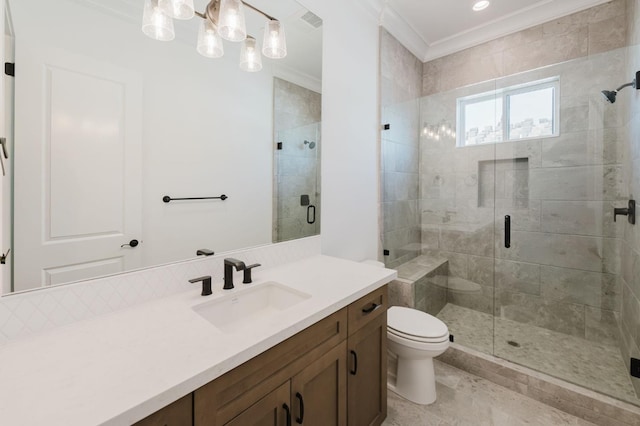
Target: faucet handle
[[206, 284], [247, 273]]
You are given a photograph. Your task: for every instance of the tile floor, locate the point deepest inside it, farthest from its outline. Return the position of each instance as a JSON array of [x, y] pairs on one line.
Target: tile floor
[[468, 400], [593, 365]]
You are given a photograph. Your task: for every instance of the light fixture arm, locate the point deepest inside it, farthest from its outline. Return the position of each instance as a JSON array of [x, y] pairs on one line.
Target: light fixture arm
[[215, 5], [255, 9]]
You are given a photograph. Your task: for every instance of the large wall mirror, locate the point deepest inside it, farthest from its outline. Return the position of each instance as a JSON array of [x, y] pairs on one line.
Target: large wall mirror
[[104, 123]]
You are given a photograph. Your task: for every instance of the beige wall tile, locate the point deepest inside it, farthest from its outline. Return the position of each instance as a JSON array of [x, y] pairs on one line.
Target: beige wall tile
[[607, 34]]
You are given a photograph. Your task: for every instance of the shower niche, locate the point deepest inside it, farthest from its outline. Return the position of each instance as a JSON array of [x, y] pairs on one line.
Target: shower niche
[[505, 180]]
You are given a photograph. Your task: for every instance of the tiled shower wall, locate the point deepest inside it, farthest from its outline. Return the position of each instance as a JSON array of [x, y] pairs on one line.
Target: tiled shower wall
[[401, 81], [296, 166], [561, 271], [630, 235]]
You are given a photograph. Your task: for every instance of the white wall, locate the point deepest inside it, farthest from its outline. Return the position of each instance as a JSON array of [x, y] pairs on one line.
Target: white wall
[[350, 129], [207, 127]]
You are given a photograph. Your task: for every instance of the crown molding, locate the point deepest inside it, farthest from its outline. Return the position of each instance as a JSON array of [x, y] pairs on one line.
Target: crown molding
[[398, 27], [296, 77], [372, 7], [526, 18]]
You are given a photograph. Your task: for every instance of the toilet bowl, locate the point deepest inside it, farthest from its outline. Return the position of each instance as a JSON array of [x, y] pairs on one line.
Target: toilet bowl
[[415, 338]]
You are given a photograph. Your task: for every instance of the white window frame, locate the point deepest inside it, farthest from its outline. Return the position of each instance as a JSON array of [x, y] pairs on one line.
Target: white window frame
[[505, 94]]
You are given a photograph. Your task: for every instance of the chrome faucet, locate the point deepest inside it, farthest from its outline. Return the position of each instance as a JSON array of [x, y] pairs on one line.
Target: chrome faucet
[[229, 264]]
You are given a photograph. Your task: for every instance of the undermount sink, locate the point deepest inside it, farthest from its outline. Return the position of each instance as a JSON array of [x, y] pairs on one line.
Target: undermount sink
[[249, 306]]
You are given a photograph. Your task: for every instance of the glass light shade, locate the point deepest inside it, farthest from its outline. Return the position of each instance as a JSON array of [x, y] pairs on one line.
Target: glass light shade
[[155, 23], [209, 41], [231, 25], [274, 44], [178, 9], [250, 58]]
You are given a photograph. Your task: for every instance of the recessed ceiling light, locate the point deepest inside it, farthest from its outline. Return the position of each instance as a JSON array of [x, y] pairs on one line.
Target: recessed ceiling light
[[481, 5]]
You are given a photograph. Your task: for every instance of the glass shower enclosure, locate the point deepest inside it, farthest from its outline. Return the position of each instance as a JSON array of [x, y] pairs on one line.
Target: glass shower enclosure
[[517, 250]]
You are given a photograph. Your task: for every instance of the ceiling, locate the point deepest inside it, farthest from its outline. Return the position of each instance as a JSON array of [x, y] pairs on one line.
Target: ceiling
[[435, 28]]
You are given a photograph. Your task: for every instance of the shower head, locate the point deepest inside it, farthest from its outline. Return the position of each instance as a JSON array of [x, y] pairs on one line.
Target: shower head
[[311, 144], [610, 95]]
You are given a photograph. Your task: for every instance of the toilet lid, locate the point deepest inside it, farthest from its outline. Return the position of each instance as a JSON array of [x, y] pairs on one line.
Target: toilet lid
[[415, 323]]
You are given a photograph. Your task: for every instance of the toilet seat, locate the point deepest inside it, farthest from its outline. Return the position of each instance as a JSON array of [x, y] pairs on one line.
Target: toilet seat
[[418, 339], [415, 325]]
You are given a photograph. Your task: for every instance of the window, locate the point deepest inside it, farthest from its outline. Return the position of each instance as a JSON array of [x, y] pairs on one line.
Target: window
[[526, 111]]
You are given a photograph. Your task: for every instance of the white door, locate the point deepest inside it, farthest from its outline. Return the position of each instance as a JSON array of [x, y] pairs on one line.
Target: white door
[[6, 155], [4, 274], [77, 167]]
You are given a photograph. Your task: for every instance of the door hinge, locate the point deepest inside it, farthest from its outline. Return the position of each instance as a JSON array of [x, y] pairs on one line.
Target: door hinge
[[635, 367], [10, 69]]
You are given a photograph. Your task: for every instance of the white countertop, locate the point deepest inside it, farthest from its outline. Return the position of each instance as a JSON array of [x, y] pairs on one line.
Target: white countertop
[[119, 368]]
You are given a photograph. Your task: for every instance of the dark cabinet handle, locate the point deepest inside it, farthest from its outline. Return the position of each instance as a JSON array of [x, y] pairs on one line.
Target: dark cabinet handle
[[354, 371], [132, 244], [287, 413], [507, 231], [300, 419], [371, 308], [311, 219]]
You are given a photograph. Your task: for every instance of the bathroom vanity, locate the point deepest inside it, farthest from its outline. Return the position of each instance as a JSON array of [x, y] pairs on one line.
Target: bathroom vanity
[[332, 373], [319, 359]]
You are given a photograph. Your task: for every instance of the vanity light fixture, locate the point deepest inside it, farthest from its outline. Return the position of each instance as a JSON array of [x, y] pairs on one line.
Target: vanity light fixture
[[480, 5], [177, 9], [250, 59], [222, 19], [438, 131], [155, 23]]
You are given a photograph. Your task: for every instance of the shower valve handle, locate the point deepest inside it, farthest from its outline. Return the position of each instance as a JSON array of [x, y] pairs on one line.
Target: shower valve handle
[[630, 212]]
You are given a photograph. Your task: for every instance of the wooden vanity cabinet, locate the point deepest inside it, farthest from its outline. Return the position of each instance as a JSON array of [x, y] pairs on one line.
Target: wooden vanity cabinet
[[311, 359], [367, 347], [271, 410], [319, 392], [331, 374]]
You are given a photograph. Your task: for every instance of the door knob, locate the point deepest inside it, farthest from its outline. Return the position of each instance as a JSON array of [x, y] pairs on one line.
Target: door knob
[[132, 244]]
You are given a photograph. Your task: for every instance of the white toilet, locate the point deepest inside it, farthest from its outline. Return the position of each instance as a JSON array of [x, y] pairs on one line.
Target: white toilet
[[415, 337]]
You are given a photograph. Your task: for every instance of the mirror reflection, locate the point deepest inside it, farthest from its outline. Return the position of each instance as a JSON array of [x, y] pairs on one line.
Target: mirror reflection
[[106, 123]]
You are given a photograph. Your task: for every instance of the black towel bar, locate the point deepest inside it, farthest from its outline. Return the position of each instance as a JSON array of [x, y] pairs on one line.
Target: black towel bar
[[167, 199]]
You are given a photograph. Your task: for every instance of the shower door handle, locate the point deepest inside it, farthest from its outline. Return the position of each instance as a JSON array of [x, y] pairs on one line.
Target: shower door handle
[[311, 218], [507, 231]]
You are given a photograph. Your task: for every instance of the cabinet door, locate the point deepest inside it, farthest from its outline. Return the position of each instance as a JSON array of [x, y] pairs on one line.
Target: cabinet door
[[319, 392], [367, 378], [272, 410]]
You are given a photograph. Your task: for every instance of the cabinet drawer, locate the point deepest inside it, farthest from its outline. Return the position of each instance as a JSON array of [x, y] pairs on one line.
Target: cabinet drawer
[[180, 413], [367, 309]]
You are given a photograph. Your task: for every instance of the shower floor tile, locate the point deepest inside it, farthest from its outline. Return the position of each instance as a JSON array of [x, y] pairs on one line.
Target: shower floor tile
[[593, 365]]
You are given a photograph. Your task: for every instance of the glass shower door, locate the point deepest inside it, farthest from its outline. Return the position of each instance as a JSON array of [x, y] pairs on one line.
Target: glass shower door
[[457, 179], [557, 296], [297, 183]]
